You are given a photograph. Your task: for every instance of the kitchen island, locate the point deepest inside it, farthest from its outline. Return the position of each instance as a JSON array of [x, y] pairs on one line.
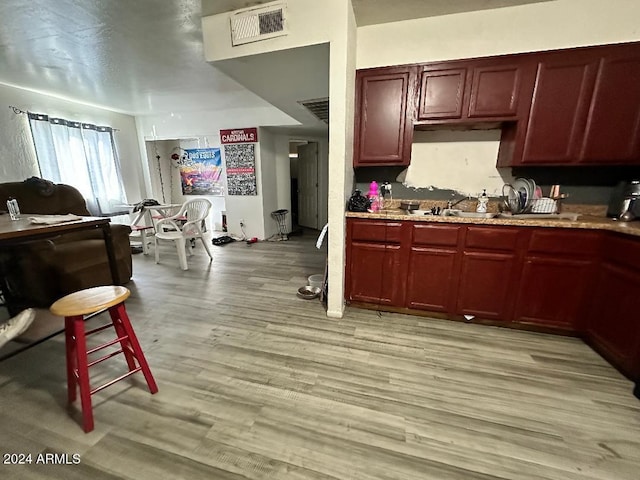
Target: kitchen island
[[569, 277]]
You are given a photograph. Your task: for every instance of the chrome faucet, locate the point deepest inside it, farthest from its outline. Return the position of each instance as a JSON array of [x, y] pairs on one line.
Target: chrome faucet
[[451, 204]]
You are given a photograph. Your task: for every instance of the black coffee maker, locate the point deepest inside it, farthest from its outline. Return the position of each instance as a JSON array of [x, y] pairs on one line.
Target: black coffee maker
[[625, 201]]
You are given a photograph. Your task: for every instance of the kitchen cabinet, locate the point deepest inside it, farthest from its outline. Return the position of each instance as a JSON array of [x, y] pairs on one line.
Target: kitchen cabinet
[[375, 269], [556, 276], [614, 327], [433, 265], [491, 89], [441, 93], [384, 112], [559, 108], [488, 272], [585, 109], [612, 134]]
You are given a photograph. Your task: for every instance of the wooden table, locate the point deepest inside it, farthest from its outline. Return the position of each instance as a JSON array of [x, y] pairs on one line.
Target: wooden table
[[14, 232]]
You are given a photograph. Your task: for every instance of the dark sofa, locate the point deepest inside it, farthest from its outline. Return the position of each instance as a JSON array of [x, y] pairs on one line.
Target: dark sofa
[[39, 272]]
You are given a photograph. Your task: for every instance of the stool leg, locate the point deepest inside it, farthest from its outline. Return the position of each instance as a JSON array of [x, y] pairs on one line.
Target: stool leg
[[120, 331], [70, 345], [126, 324], [83, 373]]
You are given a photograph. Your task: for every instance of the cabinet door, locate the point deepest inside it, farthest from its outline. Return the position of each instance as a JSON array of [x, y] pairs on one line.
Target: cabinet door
[[495, 91], [375, 273], [485, 283], [613, 327], [384, 116], [613, 127], [552, 291], [430, 281], [442, 93], [559, 108]]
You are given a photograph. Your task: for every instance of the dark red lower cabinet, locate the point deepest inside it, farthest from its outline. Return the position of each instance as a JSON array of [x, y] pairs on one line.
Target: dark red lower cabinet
[[485, 284], [374, 274], [431, 278], [552, 292], [614, 322]]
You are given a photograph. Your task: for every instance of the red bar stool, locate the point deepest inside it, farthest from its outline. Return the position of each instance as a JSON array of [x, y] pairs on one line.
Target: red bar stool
[[74, 307]]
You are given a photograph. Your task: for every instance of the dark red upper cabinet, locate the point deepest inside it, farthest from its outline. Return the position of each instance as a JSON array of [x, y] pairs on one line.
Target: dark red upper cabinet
[[441, 93], [384, 116], [473, 91], [495, 91], [612, 133], [563, 88]]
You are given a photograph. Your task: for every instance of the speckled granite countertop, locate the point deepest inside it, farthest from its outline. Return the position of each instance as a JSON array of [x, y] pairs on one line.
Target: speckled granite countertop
[[585, 221]]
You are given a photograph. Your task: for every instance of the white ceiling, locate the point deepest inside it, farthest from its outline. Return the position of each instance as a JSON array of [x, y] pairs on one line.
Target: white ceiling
[[134, 56], [146, 56]]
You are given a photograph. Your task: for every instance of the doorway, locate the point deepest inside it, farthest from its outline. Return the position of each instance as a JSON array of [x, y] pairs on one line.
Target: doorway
[[304, 181]]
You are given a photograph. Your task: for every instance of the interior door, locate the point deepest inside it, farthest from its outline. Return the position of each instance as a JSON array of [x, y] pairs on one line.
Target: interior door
[[308, 185]]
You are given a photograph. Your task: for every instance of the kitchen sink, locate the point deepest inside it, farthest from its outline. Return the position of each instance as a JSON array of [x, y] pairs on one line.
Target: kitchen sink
[[459, 213]]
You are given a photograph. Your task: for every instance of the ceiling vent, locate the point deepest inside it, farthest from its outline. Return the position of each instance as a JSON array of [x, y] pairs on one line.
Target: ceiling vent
[[258, 23], [318, 107]]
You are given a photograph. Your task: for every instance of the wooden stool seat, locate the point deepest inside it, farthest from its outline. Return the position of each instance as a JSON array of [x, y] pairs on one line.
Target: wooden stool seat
[[85, 302], [91, 300]]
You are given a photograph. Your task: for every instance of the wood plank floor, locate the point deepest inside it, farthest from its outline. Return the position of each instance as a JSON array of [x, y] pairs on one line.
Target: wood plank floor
[[258, 384]]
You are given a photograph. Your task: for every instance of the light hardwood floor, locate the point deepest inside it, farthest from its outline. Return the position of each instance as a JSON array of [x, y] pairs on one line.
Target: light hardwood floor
[[258, 384]]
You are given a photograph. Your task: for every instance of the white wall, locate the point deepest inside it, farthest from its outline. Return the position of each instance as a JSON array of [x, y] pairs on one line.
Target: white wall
[[458, 160], [341, 112], [16, 147], [440, 158], [531, 27], [269, 181]]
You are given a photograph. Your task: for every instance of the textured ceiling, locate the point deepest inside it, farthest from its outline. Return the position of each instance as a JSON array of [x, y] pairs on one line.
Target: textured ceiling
[[135, 56]]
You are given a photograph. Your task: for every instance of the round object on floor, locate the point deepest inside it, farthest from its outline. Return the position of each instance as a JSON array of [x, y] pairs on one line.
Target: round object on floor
[[308, 292]]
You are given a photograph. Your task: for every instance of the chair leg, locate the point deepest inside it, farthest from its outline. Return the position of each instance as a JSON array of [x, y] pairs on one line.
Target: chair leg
[[206, 247], [70, 343], [145, 245], [121, 313], [182, 253], [120, 331], [155, 248], [83, 374]]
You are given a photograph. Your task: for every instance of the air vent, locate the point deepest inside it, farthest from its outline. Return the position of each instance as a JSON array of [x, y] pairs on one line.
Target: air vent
[[259, 23], [318, 107]]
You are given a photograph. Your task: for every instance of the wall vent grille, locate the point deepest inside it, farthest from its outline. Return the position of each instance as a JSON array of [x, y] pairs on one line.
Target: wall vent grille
[[319, 107], [260, 23]]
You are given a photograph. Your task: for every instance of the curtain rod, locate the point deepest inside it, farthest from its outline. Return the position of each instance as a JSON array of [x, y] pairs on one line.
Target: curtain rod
[[17, 111]]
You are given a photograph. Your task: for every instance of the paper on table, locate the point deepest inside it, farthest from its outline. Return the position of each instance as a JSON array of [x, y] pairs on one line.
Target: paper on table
[[53, 219]]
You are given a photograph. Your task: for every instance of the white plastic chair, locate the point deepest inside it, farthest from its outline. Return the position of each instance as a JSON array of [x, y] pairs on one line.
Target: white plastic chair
[[194, 212]]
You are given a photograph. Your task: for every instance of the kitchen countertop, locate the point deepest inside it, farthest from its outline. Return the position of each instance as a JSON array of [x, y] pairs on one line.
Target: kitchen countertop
[[591, 222]]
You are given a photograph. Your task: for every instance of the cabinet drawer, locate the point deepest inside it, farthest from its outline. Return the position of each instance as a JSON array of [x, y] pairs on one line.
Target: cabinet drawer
[[435, 235], [553, 241], [492, 238], [376, 231]]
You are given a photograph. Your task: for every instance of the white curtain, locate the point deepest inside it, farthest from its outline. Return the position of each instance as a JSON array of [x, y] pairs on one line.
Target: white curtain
[[81, 155]]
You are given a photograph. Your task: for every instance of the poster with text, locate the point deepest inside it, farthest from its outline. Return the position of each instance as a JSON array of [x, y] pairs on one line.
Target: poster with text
[[201, 173], [240, 160]]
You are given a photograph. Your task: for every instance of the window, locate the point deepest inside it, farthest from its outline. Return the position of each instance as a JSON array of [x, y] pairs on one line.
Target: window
[[82, 155]]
